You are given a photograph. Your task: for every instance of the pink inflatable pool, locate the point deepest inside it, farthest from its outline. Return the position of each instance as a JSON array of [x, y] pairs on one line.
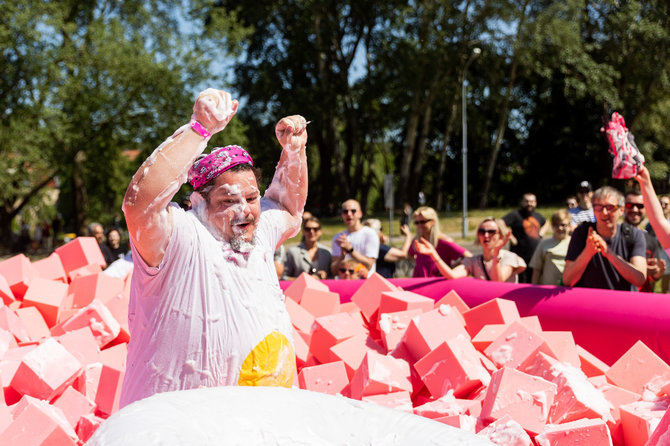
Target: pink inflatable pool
[[607, 323]]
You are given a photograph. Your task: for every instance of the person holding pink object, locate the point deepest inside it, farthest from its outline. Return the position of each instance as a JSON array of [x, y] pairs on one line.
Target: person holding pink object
[[428, 227], [494, 263], [205, 304], [655, 211]]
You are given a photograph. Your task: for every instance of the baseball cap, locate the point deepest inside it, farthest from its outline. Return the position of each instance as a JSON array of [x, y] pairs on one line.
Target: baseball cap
[[584, 186]]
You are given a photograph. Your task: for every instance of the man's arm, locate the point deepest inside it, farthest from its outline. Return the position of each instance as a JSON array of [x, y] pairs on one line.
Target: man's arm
[[634, 272], [575, 268], [145, 204], [545, 228], [289, 184], [654, 210], [423, 246], [395, 254]]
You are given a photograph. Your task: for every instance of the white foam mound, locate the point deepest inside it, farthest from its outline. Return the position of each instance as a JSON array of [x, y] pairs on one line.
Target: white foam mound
[[270, 416]]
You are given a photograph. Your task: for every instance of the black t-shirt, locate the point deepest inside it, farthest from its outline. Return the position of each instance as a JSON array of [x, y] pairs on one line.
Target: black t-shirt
[[526, 230], [599, 272], [385, 269]]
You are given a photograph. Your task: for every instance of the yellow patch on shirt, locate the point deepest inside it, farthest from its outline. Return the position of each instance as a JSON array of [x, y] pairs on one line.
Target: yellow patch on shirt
[[270, 363]]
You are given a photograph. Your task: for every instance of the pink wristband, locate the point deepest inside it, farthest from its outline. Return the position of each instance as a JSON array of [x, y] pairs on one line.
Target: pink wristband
[[200, 130]]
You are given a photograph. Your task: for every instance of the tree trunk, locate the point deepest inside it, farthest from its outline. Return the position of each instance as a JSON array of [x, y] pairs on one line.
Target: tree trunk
[[80, 204], [417, 177], [448, 128], [408, 153]]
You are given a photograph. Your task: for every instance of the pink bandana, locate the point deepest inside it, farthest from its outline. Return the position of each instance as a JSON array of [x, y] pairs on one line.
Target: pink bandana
[[217, 162]]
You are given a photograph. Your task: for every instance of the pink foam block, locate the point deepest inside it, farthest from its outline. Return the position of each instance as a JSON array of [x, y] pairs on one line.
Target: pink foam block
[[506, 431], [525, 398], [74, 405], [392, 301], [86, 270], [46, 371], [118, 307], [87, 426], [7, 341], [80, 252], [328, 378], [495, 311], [36, 422], [448, 405], [395, 400], [617, 397], [392, 326], [590, 364], [379, 374], [452, 366], [115, 356], [464, 422], [82, 344], [637, 368], [300, 318], [352, 351], [303, 282], [50, 268], [639, 419], [88, 381], [661, 435], [18, 272], [96, 316], [516, 346], [532, 322], [319, 302], [585, 431], [11, 322], [301, 348], [109, 390], [5, 417], [94, 286], [452, 298], [8, 365], [47, 296], [487, 335], [426, 331], [34, 323], [368, 295], [331, 330], [6, 293], [562, 344]]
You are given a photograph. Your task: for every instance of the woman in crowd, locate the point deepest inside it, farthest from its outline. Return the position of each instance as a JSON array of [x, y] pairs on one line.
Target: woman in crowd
[[428, 228], [351, 269], [388, 255], [495, 263], [309, 256], [112, 249], [548, 260]]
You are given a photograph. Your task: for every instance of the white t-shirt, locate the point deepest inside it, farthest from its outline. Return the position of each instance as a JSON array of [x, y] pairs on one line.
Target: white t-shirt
[[365, 241], [206, 316]]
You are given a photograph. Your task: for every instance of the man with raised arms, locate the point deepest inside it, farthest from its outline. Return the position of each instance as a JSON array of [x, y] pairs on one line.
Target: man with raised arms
[[205, 304]]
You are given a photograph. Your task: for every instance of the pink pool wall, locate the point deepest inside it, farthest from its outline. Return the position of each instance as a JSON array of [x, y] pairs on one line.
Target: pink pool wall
[[606, 323]]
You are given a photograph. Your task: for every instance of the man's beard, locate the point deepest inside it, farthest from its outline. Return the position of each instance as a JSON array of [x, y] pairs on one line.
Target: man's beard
[[238, 244]]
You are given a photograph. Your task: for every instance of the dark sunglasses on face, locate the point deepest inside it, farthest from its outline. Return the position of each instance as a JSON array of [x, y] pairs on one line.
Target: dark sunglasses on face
[[345, 270], [312, 229], [348, 211], [634, 205], [420, 222], [482, 231], [607, 207], [665, 204]]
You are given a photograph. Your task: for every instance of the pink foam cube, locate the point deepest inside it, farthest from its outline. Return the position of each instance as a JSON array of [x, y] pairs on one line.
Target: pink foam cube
[[590, 364], [639, 419], [97, 317], [525, 398], [532, 322], [36, 422], [50, 268], [11, 322], [395, 400], [82, 344], [115, 356], [392, 326], [319, 302], [506, 431], [379, 374], [428, 330], [562, 344], [304, 281], [8, 365], [18, 272], [636, 368], [46, 371], [392, 301], [6, 293], [7, 341], [368, 295], [487, 335], [47, 296], [94, 286], [448, 405], [118, 307], [352, 351], [328, 378], [452, 366], [331, 330], [516, 346], [109, 390], [467, 423], [88, 381], [661, 435], [452, 298], [74, 405], [300, 318], [495, 311], [34, 322], [575, 432], [617, 397], [87, 426], [86, 270], [5, 417], [80, 252]]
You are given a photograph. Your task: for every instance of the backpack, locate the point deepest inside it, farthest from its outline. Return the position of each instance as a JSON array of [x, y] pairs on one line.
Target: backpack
[[627, 157]]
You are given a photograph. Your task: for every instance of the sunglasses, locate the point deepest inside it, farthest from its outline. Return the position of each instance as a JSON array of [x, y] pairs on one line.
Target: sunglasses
[[312, 229], [482, 231], [607, 207], [665, 204], [349, 211], [420, 222], [634, 205], [345, 270]]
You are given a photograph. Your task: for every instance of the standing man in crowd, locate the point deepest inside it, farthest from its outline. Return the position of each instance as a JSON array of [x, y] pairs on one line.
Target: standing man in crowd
[[358, 242], [528, 227], [205, 304], [634, 215], [584, 209], [601, 255]]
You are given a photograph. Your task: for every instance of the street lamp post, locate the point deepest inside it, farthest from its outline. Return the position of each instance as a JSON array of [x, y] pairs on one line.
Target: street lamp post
[[475, 52]]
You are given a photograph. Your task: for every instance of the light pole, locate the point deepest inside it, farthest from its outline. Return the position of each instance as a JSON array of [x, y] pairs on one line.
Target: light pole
[[475, 52]]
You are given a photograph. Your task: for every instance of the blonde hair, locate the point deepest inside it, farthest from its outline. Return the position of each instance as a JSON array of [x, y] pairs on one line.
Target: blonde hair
[[429, 214], [373, 223], [500, 223]]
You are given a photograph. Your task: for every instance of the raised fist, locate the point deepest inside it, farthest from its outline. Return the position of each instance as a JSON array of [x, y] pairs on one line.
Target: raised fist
[[291, 132], [214, 109]]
